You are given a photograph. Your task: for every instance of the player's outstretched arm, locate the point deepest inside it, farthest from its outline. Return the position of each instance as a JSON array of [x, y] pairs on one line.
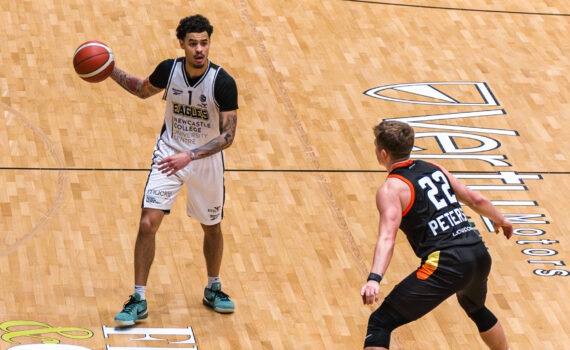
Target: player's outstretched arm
[[136, 86], [480, 204]]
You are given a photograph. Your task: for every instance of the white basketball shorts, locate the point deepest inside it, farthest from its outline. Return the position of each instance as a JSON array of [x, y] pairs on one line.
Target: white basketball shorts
[[204, 179]]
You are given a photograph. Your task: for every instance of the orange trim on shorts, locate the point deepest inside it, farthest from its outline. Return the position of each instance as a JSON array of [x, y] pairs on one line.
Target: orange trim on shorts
[[413, 193], [429, 267]]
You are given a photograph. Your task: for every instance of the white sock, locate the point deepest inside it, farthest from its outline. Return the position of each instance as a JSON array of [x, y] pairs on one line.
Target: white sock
[[140, 290], [212, 280]]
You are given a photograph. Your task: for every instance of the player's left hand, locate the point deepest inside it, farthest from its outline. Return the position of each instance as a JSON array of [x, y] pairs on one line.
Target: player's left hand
[[506, 226], [170, 165], [370, 292]]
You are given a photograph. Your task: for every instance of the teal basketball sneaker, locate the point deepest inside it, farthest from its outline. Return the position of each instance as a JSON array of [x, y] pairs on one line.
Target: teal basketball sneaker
[[218, 300], [133, 310]]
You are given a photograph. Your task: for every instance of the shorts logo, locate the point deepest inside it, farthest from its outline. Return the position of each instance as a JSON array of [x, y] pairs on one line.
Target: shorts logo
[[152, 200], [157, 196], [159, 193], [214, 212], [214, 209]]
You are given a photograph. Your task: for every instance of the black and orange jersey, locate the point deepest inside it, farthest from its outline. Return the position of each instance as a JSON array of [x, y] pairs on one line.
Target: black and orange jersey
[[434, 219]]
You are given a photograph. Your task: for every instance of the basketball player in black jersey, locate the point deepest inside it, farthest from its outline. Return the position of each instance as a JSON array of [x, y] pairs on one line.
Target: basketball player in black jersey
[[422, 199]]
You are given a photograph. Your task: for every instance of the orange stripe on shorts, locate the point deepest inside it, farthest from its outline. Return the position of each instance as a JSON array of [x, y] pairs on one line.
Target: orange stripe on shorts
[[429, 267]]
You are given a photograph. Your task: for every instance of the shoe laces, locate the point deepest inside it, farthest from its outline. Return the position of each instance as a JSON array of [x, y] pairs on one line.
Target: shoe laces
[[130, 304], [221, 295]]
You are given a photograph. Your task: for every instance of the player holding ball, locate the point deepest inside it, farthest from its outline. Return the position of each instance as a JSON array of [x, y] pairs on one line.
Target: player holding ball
[[199, 123]]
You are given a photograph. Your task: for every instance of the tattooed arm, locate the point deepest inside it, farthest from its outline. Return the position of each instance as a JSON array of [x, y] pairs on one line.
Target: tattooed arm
[[136, 86], [178, 161], [223, 141]]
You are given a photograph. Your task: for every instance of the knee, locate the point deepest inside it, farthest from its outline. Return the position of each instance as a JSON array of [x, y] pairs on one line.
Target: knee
[[380, 326], [212, 231], [483, 318], [147, 227], [377, 337]]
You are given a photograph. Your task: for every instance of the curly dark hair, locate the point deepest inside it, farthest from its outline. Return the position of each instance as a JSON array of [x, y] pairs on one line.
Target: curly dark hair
[[193, 24]]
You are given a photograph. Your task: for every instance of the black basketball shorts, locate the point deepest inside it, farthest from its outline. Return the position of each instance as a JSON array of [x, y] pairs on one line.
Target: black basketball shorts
[[459, 270]]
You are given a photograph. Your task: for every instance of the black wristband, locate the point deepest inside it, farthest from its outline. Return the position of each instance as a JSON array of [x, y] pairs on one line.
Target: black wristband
[[374, 277]]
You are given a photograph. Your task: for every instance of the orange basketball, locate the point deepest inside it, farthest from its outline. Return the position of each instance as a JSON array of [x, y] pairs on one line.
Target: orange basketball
[[93, 61]]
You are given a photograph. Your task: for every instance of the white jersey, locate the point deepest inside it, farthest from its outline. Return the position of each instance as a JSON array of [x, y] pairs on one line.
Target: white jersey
[[191, 119], [192, 115]]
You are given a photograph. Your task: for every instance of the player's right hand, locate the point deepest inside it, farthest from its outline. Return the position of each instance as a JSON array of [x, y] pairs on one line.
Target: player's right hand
[[370, 292], [170, 165]]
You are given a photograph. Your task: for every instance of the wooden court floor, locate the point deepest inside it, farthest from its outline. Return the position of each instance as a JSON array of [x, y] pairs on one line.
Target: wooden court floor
[[300, 220]]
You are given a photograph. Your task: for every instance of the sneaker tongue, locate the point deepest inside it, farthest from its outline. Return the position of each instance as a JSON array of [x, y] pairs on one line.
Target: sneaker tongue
[[217, 286], [132, 300]]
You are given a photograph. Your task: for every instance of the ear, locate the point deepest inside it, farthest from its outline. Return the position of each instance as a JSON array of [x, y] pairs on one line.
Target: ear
[[181, 42], [385, 156]]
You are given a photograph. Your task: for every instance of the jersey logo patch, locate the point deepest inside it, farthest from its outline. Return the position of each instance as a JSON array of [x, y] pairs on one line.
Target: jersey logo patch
[[190, 111]]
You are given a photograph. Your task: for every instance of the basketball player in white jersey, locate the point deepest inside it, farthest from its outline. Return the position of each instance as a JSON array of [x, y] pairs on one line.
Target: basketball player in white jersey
[[199, 123]]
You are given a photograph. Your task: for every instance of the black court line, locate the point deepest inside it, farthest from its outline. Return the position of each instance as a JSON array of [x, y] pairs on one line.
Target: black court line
[[285, 170], [460, 9]]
